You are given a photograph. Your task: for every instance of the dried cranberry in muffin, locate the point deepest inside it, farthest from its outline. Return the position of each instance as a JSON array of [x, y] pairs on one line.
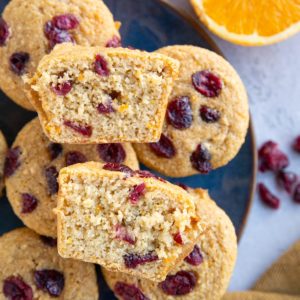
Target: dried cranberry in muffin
[[195, 258], [179, 113], [12, 161], [18, 62], [182, 283], [101, 66], [163, 148], [137, 192], [111, 153], [129, 291], [4, 32], [62, 89], [85, 130], [115, 42], [75, 157], [132, 260], [209, 115], [50, 281], [207, 83], [200, 159], [29, 203], [15, 288]]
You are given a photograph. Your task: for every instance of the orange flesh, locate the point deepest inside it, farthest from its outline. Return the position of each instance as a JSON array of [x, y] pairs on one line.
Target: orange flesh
[[263, 17]]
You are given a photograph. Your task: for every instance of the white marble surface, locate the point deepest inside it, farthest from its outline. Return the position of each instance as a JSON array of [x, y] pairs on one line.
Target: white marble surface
[[272, 77]]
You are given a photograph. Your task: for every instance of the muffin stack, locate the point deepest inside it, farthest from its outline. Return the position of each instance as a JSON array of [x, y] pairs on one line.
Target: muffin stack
[[73, 177]]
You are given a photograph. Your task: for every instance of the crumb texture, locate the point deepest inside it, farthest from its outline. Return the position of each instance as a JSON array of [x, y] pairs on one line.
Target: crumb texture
[[90, 95], [99, 220], [210, 266]]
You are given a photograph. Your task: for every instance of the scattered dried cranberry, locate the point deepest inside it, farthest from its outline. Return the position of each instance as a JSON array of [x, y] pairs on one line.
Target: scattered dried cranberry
[[267, 197], [137, 192], [182, 283], [178, 238], [132, 260], [118, 168], [147, 174], [209, 115], [195, 258], [55, 150], [101, 66], [287, 180], [182, 185], [18, 62], [111, 153], [75, 157], [12, 161], [200, 159], [105, 109], [65, 22], [29, 203], [51, 175], [207, 83], [163, 148], [272, 158], [49, 241], [296, 145], [4, 32], [85, 130], [62, 89], [129, 291], [14, 288], [50, 281], [179, 113], [296, 195], [123, 234], [115, 42]]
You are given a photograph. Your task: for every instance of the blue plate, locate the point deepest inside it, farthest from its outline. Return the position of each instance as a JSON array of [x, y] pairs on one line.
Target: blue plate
[[150, 25]]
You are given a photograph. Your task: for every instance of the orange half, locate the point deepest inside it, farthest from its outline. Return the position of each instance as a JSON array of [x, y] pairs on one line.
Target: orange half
[[250, 22]]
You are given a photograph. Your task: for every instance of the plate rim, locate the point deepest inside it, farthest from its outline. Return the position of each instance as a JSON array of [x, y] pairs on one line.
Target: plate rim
[[205, 35]]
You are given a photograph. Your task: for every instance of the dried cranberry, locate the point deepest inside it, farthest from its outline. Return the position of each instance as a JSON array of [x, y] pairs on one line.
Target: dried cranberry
[[272, 158], [200, 159], [287, 180], [18, 62], [101, 66], [111, 153], [4, 32], [55, 150], [179, 113], [12, 161], [51, 175], [65, 22], [62, 89], [163, 148], [14, 288], [85, 130], [49, 241], [296, 144], [209, 115], [195, 258], [147, 174], [129, 291], [75, 157], [296, 195], [29, 203], [182, 283], [123, 234], [115, 42], [50, 30], [137, 192], [118, 168], [59, 37], [50, 281], [182, 185], [267, 197], [178, 238], [132, 260], [105, 109], [207, 83]]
